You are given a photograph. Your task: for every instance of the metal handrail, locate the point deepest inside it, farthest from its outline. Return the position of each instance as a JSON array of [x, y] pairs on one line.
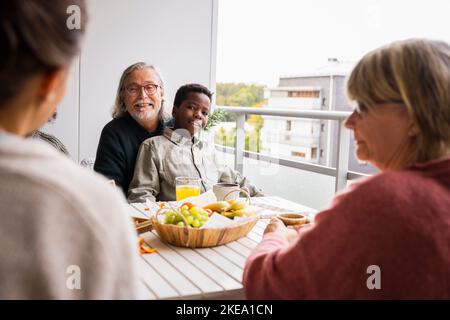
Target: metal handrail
[[280, 112], [341, 172]]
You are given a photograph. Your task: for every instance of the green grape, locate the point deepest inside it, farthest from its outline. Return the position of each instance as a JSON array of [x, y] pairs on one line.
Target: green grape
[[196, 223], [195, 216]]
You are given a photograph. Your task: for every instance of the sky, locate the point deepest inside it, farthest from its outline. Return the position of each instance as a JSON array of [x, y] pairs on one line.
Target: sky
[[259, 40]]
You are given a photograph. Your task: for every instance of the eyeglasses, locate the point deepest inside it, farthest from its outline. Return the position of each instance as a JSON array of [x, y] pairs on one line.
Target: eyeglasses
[[360, 108], [134, 89]]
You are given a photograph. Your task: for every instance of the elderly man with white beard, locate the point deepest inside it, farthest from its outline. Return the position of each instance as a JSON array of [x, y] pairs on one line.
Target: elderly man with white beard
[[137, 115]]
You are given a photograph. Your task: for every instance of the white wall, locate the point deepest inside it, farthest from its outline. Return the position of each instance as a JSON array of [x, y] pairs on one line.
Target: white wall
[[67, 124], [179, 37]]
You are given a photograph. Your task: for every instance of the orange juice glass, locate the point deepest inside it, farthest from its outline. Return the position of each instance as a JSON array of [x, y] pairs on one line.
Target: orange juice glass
[[187, 187]]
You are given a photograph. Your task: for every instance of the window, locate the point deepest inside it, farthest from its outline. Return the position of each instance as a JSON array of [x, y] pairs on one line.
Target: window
[[304, 94], [321, 153], [322, 127], [288, 125], [309, 94], [298, 154], [313, 153]]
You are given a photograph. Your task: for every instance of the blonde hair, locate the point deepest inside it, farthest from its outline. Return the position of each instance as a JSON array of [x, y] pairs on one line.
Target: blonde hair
[[417, 73], [119, 108]]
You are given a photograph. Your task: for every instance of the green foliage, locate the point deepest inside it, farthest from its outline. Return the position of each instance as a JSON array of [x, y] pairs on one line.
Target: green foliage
[[242, 95], [252, 141], [214, 118], [225, 139], [239, 94], [256, 121]]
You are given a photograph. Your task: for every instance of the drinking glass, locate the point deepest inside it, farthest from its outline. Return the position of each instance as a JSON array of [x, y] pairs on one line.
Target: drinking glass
[[187, 187]]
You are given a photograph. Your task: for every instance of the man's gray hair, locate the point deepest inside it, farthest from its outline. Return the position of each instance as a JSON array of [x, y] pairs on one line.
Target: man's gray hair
[[119, 108]]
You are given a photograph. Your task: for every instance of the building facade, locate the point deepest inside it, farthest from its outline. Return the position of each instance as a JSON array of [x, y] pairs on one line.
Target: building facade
[[309, 140]]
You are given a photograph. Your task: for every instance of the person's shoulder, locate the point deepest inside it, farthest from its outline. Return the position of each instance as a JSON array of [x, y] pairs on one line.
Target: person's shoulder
[[120, 124], [116, 130], [60, 180], [90, 194], [383, 192], [394, 182], [113, 124], [156, 140], [380, 181]]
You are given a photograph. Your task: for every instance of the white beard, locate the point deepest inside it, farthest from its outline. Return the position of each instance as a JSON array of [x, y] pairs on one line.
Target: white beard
[[142, 115]]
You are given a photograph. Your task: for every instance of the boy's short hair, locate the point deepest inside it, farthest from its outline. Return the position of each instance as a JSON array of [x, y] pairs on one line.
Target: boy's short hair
[[183, 92]]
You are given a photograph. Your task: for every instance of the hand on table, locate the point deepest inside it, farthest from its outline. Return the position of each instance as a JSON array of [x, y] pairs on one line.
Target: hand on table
[[277, 226]]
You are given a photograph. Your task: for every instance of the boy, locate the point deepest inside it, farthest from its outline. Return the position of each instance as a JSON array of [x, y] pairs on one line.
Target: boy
[[179, 153]]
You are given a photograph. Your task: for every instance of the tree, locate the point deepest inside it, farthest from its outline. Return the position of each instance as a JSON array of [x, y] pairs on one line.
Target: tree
[[242, 95]]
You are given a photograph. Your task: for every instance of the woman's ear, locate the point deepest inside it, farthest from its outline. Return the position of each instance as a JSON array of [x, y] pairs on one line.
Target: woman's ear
[[53, 86], [413, 129]]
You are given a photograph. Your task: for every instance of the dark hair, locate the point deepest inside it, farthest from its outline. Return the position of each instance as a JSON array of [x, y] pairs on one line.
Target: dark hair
[[183, 92], [34, 38]]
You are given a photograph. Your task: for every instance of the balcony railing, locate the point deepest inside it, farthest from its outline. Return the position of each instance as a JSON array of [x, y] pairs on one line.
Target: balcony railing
[[340, 172]]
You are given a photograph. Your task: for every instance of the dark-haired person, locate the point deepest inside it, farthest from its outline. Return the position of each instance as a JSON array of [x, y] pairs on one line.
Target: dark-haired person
[[138, 114], [178, 152], [51, 140], [387, 237], [64, 233]]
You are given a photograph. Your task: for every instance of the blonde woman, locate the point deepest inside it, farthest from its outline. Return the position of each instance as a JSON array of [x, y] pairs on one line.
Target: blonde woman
[[387, 237]]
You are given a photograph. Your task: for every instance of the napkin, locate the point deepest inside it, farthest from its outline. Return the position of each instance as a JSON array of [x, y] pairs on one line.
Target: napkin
[[219, 221]]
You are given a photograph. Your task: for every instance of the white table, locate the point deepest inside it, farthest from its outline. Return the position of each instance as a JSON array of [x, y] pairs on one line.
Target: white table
[[204, 273]]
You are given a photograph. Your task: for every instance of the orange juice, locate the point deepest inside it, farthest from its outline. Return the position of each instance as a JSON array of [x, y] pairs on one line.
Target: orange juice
[[185, 191]]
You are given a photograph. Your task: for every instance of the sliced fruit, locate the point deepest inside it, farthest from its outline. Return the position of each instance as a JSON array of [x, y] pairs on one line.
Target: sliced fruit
[[218, 206], [237, 204]]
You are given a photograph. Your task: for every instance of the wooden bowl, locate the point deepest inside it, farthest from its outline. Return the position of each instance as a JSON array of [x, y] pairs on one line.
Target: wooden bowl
[[293, 218], [202, 238]]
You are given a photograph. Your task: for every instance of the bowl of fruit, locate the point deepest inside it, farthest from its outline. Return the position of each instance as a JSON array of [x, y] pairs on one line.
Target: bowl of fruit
[[183, 226]]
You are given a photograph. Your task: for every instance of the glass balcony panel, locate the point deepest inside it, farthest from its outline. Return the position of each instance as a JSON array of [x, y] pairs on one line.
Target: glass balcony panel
[[301, 186]]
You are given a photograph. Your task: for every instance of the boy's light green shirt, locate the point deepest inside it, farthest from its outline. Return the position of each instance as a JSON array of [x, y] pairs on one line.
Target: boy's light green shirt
[[175, 154]]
